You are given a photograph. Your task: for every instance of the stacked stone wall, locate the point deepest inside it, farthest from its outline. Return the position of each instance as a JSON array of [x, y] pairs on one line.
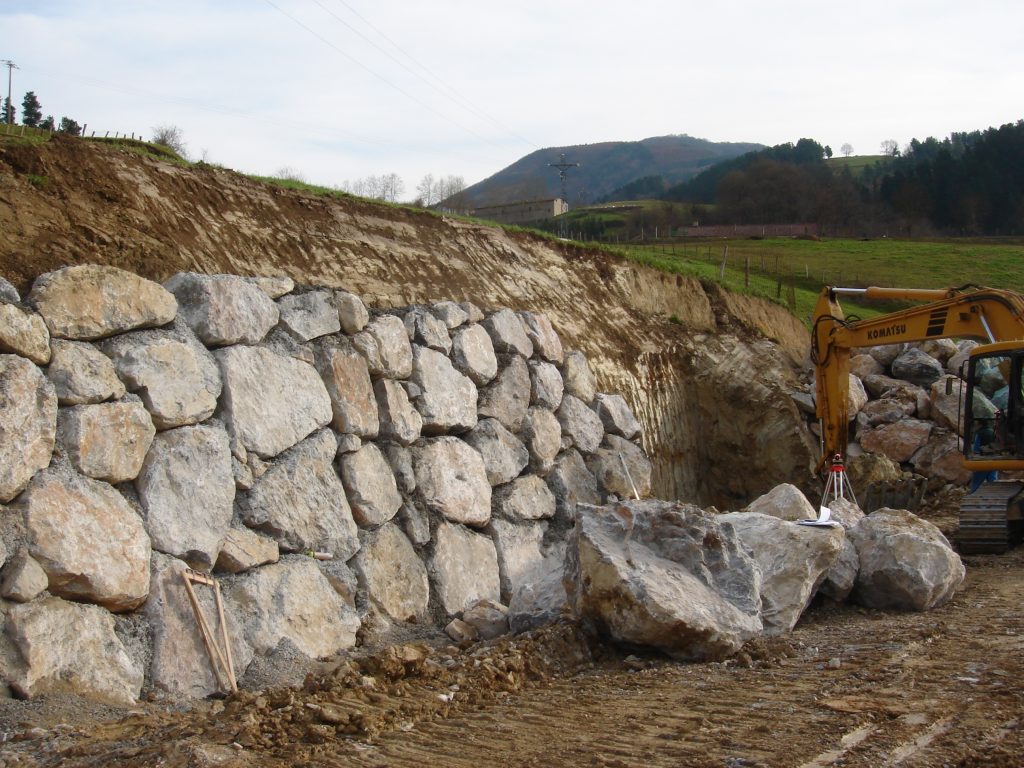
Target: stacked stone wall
[[329, 463]]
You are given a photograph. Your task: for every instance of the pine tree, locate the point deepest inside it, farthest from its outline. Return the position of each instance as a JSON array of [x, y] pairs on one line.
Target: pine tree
[[31, 110], [67, 125], [8, 115], [48, 123]]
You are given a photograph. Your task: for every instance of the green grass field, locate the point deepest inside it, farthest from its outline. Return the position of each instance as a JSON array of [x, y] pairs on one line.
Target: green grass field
[[807, 265]]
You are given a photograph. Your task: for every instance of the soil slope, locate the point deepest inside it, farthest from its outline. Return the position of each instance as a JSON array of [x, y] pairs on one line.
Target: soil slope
[[70, 201]]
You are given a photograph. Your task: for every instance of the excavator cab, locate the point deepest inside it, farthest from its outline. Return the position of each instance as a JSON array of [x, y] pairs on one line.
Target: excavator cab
[[991, 516]]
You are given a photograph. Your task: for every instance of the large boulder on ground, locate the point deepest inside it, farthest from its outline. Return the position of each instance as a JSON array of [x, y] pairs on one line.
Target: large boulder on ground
[[24, 333], [520, 556], [82, 374], [870, 468], [187, 490], [682, 584], [864, 365], [794, 560], [917, 367], [223, 309], [91, 301], [106, 441], [87, 538], [451, 479], [447, 400], [70, 649], [841, 577], [175, 375], [463, 568], [541, 599], [292, 600], [28, 424], [572, 483], [941, 458], [300, 501], [947, 409], [784, 501], [181, 664], [271, 401], [905, 562], [394, 577]]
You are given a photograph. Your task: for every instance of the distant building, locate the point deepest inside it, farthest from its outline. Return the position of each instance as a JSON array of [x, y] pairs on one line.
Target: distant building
[[526, 212]]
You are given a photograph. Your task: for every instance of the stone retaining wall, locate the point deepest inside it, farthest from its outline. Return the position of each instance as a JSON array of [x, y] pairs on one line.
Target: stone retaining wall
[[330, 464]]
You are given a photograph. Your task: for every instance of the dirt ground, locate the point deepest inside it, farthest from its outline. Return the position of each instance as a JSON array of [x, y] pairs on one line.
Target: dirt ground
[[848, 687]]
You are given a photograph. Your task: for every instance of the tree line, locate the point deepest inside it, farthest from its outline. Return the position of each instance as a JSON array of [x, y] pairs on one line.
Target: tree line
[[968, 183], [32, 116]]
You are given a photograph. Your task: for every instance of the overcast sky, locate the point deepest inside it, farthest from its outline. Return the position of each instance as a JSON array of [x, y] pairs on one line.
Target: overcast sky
[[341, 89]]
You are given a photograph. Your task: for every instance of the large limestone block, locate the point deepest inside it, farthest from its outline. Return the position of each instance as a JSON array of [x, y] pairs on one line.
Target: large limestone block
[[370, 484], [81, 374], [473, 354], [351, 312], [580, 424], [545, 341], [447, 400], [93, 301], [541, 599], [451, 480], [906, 564], [24, 333], [897, 441], [223, 309], [309, 315], [887, 410], [520, 556], [508, 333], [842, 576], [270, 401], [503, 454], [963, 354], [8, 293], [399, 419], [385, 345], [856, 396], [946, 410], [292, 600], [786, 502], [392, 573], [426, 329], [106, 441], [347, 379], [616, 415], [187, 490], [463, 568], [579, 380], [70, 649], [864, 365], [87, 538], [942, 458], [546, 387], [526, 498], [275, 286], [542, 436], [175, 375], [794, 560], [885, 354], [28, 423], [621, 468], [682, 585], [940, 349], [300, 502], [243, 549], [450, 313], [917, 367], [507, 397], [181, 664], [572, 483], [869, 468]]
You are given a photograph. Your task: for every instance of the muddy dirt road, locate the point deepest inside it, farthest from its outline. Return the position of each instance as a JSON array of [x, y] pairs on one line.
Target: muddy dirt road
[[849, 687]]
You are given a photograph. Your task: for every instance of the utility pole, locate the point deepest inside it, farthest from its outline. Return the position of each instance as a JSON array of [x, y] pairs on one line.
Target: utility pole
[[11, 66], [563, 173]]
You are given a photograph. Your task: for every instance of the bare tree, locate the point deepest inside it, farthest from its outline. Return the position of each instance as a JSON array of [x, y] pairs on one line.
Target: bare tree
[[890, 148], [289, 174], [427, 189], [846, 149], [172, 137]]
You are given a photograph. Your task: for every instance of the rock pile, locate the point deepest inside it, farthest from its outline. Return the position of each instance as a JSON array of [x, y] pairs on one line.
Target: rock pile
[[326, 462], [902, 417], [697, 585]]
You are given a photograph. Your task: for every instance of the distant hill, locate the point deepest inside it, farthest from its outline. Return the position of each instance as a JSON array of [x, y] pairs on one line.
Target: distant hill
[[604, 168]]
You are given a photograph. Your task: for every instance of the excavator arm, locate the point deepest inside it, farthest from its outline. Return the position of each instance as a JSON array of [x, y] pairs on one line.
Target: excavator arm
[[987, 314]]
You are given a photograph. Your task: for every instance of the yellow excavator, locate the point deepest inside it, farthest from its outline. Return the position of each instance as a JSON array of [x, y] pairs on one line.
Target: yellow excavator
[[992, 409]]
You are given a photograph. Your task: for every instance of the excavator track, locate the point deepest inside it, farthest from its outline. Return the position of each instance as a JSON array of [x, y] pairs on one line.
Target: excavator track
[[984, 518]]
